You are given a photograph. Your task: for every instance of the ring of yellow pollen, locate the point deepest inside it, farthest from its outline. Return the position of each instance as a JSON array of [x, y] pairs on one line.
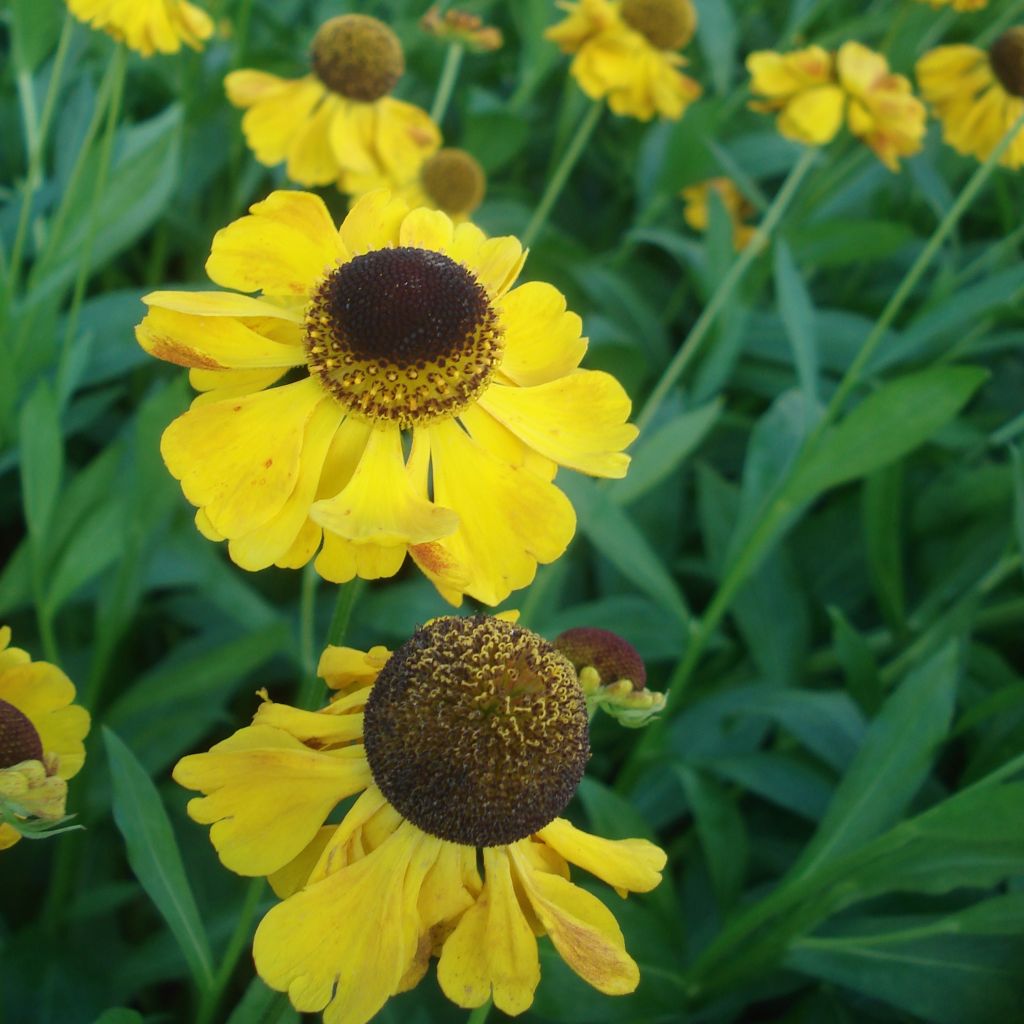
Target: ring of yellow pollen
[[19, 740], [404, 334], [476, 731], [666, 24], [454, 181], [1007, 59], [357, 56]]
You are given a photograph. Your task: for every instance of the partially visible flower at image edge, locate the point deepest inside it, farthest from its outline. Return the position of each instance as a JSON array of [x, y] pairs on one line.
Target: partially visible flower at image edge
[[147, 26], [812, 93], [338, 124], [625, 51], [696, 212], [978, 96], [404, 324], [41, 734], [466, 744], [958, 5]]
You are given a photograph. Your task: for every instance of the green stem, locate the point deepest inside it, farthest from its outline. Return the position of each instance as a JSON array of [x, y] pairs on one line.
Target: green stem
[[36, 136], [561, 174], [479, 1015], [691, 345], [105, 155], [446, 85], [240, 937], [348, 593], [915, 273]]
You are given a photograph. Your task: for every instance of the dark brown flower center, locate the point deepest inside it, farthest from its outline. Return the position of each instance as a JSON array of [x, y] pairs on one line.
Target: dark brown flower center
[[454, 181], [476, 731], [403, 334], [1007, 57], [358, 57], [607, 653], [19, 740], [667, 24]]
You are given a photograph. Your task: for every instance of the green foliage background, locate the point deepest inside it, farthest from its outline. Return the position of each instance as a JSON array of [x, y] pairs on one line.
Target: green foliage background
[[839, 783]]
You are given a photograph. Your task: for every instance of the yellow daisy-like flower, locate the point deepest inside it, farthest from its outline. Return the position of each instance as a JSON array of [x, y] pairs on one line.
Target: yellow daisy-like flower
[[41, 735], [338, 124], [452, 181], [697, 214], [404, 323], [147, 26], [466, 748], [625, 51], [812, 92], [978, 96]]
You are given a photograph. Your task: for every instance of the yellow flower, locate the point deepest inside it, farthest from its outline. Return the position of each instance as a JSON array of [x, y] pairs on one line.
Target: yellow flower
[[625, 52], [738, 207], [404, 323], [147, 26], [978, 96], [337, 124], [958, 5], [812, 92], [41, 735], [465, 749], [452, 181]]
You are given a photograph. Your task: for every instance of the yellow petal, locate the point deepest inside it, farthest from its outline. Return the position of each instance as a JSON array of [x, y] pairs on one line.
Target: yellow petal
[[294, 875], [492, 953], [542, 339], [311, 158], [282, 248], [221, 304], [273, 541], [496, 262], [578, 421], [582, 928], [426, 229], [211, 343], [343, 944], [502, 443], [327, 730], [272, 122], [341, 667], [379, 504], [351, 137], [404, 136], [240, 459], [815, 116], [341, 560], [509, 519], [246, 87], [267, 795], [633, 865], [373, 222]]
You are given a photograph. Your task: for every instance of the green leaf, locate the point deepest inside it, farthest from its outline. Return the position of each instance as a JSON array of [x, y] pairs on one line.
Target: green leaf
[[617, 537], [660, 454], [883, 534], [893, 762], [891, 423], [858, 662], [797, 312], [42, 456], [262, 1005], [36, 27], [717, 37], [119, 1015], [154, 857], [1018, 495]]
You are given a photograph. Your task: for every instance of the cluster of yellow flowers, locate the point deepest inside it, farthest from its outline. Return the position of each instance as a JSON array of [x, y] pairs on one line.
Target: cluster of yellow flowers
[[384, 389]]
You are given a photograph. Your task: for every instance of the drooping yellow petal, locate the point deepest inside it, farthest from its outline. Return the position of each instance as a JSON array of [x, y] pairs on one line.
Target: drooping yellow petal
[[266, 795], [282, 248], [542, 339], [240, 459], [294, 875], [231, 304], [246, 87], [325, 729], [379, 504], [271, 542], [502, 443], [404, 136], [344, 944], [272, 121], [311, 159], [492, 953], [341, 560], [814, 116], [344, 667], [629, 865], [43, 693], [509, 519], [582, 928], [211, 342], [578, 421]]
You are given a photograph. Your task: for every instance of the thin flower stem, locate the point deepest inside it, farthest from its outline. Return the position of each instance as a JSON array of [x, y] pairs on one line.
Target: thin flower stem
[[726, 287], [479, 1015], [915, 273], [210, 1000], [348, 594], [446, 85], [36, 135], [561, 174], [102, 171]]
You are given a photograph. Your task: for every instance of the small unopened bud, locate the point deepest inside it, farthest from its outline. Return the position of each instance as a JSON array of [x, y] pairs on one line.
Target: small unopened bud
[[460, 27], [1007, 59]]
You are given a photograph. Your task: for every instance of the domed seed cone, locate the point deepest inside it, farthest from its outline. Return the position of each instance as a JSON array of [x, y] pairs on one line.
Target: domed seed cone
[[1007, 58], [358, 57], [19, 740], [454, 181], [667, 24], [607, 653]]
